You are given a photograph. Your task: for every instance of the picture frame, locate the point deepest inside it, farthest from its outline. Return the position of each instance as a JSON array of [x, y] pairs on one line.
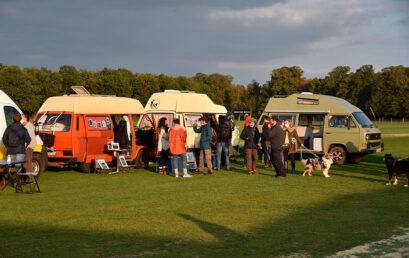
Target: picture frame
[[99, 125], [190, 157], [90, 122], [103, 123], [102, 164], [123, 161], [95, 124]]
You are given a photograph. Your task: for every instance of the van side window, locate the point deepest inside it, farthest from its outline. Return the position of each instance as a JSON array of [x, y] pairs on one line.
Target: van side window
[[315, 120], [98, 123], [190, 120], [340, 121], [8, 114]]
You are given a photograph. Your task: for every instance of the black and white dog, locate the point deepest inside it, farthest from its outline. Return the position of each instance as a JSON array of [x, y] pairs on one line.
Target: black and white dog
[[315, 164], [396, 167]]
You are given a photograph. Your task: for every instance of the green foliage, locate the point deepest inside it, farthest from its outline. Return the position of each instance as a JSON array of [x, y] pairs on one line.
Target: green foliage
[[386, 92]]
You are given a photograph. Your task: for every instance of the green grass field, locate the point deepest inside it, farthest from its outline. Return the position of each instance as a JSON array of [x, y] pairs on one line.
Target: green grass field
[[227, 214]]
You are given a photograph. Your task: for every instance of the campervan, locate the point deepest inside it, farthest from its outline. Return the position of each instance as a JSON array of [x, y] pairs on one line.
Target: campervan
[[6, 118], [188, 106], [79, 128], [327, 124]]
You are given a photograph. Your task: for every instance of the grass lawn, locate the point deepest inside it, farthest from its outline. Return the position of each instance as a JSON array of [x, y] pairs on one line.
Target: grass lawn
[[227, 214]]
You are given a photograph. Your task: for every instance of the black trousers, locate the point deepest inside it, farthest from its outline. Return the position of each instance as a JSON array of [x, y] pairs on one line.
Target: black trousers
[[291, 156], [276, 159], [163, 160]]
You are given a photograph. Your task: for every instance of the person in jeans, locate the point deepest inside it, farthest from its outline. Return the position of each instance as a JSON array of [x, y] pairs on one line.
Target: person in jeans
[[177, 147], [224, 134], [205, 151], [25, 120], [290, 144], [16, 140], [276, 148], [251, 136], [163, 145], [266, 141]]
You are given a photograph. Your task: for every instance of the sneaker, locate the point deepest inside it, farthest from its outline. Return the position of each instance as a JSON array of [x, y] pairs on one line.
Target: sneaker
[[176, 174], [187, 175]]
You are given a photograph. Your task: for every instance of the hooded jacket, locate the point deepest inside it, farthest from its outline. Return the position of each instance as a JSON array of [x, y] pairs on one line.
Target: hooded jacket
[[177, 140], [16, 133], [205, 135], [251, 137]]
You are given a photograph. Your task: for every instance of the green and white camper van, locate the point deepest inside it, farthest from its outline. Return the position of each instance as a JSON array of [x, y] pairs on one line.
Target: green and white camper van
[[327, 124]]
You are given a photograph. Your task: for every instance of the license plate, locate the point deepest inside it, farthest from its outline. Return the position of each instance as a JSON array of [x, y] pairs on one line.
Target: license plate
[[52, 153]]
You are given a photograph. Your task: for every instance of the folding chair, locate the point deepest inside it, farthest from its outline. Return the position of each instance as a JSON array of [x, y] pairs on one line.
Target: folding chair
[[21, 183]]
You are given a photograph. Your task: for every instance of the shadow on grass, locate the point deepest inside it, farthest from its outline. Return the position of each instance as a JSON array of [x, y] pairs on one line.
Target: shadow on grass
[[338, 224]]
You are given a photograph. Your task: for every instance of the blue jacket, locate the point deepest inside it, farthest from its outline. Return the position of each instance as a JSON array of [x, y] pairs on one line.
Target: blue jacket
[[205, 135]]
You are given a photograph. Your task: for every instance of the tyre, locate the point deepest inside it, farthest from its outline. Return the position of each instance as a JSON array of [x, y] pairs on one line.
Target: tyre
[[38, 163], [141, 160], [86, 167], [339, 155]]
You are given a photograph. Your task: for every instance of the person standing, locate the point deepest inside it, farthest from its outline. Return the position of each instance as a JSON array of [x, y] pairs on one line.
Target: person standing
[[16, 139], [177, 147], [205, 151], [251, 136], [28, 165], [266, 141], [291, 138], [276, 147], [224, 134], [163, 145]]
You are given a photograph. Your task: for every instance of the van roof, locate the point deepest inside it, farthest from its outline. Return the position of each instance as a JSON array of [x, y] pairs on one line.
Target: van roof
[[183, 102], [92, 104], [5, 99], [308, 102]]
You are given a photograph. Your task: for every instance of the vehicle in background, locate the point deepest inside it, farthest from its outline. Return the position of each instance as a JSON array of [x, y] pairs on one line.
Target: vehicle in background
[[327, 125], [77, 128], [9, 108], [188, 106]]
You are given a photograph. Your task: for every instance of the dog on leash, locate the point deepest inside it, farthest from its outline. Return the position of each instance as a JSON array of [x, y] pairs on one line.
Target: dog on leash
[[318, 164], [395, 168]]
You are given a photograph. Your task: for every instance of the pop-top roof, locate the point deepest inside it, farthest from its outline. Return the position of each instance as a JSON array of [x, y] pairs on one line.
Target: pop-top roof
[[183, 102], [92, 104]]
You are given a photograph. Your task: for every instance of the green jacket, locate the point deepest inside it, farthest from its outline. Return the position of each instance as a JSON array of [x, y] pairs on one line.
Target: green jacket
[[205, 135]]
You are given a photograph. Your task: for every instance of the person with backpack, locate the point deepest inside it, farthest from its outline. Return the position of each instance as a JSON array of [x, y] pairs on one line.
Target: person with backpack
[[224, 134], [251, 136], [205, 150], [177, 147], [16, 139]]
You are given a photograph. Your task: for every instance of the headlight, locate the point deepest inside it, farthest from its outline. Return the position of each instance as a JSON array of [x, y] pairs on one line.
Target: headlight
[[367, 137]]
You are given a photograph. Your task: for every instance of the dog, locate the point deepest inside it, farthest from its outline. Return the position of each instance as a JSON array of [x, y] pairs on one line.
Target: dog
[[396, 167], [316, 164]]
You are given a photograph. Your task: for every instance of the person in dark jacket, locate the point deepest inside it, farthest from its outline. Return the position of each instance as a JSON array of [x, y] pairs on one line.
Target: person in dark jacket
[[16, 140], [205, 152], [251, 136], [224, 134], [277, 147], [266, 141]]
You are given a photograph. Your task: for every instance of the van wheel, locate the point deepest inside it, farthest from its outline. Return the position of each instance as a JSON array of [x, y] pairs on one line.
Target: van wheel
[[38, 163], [140, 160], [86, 167], [339, 155]]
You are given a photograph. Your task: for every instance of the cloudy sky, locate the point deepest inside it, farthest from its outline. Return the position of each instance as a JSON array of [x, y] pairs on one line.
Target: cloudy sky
[[246, 39]]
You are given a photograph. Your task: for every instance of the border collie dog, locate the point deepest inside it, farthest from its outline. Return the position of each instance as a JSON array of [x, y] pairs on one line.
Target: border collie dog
[[318, 164]]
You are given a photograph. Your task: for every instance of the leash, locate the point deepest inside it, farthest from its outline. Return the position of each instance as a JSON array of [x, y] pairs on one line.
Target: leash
[[308, 150]]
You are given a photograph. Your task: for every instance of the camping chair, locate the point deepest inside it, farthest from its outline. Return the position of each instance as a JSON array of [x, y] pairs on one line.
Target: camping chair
[[19, 179]]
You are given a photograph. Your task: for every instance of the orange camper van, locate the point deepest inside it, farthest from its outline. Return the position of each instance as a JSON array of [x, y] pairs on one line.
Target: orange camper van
[[77, 128]]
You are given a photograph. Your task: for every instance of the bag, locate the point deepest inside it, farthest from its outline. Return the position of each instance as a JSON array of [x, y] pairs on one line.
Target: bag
[[225, 132]]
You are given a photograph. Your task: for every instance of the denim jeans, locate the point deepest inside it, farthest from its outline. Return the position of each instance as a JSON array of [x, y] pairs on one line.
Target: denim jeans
[[15, 157], [223, 147], [175, 162]]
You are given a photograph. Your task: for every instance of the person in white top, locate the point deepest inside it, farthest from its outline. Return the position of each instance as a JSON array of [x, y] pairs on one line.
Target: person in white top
[[163, 145], [28, 165]]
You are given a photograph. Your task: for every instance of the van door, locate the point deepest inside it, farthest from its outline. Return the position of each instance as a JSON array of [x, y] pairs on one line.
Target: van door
[[99, 133], [310, 129], [192, 138], [342, 130]]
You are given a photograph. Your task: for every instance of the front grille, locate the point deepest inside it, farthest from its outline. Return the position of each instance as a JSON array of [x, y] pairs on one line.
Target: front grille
[[372, 145], [374, 136]]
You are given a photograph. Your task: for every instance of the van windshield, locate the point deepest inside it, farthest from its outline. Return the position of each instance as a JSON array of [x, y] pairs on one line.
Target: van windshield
[[363, 120], [54, 122]]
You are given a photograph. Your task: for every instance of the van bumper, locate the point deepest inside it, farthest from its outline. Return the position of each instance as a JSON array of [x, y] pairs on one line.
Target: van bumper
[[373, 150]]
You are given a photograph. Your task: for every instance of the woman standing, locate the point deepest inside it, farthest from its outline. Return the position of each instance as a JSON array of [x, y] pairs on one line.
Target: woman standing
[[290, 144], [163, 145]]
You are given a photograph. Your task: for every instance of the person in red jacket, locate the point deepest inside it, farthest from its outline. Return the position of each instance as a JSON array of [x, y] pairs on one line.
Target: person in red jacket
[[246, 119], [177, 147]]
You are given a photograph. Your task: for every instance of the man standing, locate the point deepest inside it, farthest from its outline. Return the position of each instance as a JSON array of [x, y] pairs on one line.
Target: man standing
[[266, 141], [205, 152], [224, 134], [177, 147], [276, 147], [28, 165], [251, 136]]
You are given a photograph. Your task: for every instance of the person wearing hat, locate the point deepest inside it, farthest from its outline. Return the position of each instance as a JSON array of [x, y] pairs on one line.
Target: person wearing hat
[[277, 147], [251, 136]]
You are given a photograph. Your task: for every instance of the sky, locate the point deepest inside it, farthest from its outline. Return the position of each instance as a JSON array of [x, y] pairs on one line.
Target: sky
[[245, 39]]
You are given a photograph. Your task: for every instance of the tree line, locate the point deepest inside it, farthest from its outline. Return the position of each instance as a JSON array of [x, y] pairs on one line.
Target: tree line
[[384, 93]]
